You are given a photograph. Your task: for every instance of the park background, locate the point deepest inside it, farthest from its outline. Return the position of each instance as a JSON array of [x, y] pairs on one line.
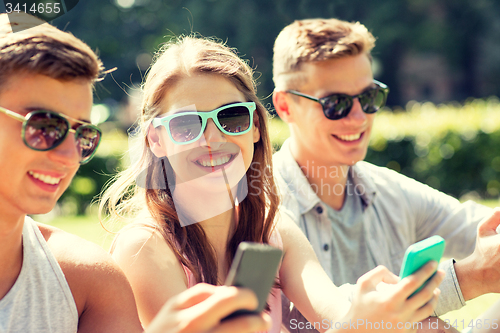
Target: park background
[[440, 58]]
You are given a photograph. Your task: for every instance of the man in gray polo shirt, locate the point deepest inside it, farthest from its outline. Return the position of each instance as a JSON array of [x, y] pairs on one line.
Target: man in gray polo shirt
[[355, 214]]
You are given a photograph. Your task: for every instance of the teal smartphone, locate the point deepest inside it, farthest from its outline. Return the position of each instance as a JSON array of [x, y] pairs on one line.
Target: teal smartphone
[[419, 254]]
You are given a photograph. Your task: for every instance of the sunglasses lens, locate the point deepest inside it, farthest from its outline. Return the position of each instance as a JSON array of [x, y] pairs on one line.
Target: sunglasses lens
[[88, 139], [372, 100], [185, 128], [337, 106], [235, 119], [45, 130]]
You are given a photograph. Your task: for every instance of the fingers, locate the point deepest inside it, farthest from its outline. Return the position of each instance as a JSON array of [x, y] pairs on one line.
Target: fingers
[[224, 301], [411, 283], [428, 309], [370, 280], [245, 324], [488, 226], [428, 292], [193, 296]]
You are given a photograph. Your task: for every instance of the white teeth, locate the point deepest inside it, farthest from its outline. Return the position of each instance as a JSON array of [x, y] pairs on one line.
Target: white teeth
[[351, 137], [215, 162], [45, 178]]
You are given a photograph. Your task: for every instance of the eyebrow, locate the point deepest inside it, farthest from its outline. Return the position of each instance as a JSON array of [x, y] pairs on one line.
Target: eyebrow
[[30, 109], [370, 86], [184, 111]]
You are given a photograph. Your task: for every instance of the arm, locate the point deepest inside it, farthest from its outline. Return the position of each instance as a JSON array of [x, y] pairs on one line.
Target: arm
[[479, 273], [152, 269], [306, 284]]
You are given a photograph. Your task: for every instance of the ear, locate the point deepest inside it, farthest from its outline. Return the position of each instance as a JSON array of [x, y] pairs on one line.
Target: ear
[[256, 127], [282, 106], [154, 142]]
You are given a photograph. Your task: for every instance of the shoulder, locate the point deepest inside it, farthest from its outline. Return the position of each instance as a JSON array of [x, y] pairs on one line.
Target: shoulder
[[389, 182], [138, 240], [141, 250], [89, 270]]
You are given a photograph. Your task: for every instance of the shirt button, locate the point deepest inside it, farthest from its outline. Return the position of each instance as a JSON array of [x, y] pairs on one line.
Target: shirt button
[[319, 210], [325, 247]]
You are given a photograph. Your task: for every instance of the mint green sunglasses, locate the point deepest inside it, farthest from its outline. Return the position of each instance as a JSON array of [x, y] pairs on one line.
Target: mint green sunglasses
[[187, 127]]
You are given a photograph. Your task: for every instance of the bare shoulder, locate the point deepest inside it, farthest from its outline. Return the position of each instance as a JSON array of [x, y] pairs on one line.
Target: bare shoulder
[[152, 268], [93, 276], [138, 242]]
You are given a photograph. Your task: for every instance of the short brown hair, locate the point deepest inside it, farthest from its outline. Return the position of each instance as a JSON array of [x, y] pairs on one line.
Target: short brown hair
[[43, 49], [316, 40]]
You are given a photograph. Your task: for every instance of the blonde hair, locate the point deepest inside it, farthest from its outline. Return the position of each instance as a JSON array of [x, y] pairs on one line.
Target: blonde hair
[[29, 45], [181, 57], [316, 40]]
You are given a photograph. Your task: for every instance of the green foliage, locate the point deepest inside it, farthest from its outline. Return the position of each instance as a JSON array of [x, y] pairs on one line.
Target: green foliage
[[449, 147]]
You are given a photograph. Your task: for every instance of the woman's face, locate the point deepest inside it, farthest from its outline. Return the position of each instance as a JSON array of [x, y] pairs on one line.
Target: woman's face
[[215, 160]]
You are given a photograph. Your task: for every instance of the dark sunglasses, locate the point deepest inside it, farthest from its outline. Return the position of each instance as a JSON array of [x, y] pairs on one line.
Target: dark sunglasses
[[187, 127], [45, 130], [338, 106]]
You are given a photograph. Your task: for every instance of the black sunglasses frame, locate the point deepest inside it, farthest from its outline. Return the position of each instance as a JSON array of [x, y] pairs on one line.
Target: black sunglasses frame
[[325, 101], [67, 119]]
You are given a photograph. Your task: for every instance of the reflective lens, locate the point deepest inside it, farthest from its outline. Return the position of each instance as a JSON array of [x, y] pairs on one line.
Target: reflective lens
[[45, 130], [235, 119], [185, 127], [87, 141]]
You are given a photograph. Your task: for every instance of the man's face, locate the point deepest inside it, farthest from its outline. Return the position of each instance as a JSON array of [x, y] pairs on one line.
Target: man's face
[[28, 175], [331, 142]]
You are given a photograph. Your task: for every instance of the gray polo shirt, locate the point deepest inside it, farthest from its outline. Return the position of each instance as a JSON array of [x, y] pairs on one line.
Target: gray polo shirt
[[384, 212]]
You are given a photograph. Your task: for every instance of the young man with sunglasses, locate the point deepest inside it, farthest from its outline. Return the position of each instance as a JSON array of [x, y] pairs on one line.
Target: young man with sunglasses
[[355, 214], [52, 281]]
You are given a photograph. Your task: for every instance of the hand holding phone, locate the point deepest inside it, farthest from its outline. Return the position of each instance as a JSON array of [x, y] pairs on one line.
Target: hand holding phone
[[419, 254], [254, 266]]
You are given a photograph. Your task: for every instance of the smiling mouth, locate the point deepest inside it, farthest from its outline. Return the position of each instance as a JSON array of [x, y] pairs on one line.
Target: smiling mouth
[[350, 137], [218, 162], [45, 178]]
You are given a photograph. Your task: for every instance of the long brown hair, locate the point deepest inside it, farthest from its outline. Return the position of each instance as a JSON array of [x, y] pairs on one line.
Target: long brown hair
[[175, 60]]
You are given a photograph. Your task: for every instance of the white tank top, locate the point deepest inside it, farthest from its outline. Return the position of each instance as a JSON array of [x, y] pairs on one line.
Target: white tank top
[[40, 301]]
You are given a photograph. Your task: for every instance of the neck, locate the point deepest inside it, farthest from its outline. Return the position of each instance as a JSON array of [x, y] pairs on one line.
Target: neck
[[213, 210], [327, 181]]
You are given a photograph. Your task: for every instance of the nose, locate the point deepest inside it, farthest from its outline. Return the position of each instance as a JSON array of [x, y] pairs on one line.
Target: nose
[[66, 153], [356, 116], [212, 135]]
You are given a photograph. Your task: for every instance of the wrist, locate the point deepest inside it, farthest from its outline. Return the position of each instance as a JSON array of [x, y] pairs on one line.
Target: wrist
[[469, 278]]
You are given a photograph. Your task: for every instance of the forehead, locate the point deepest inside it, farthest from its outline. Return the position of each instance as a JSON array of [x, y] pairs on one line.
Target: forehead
[[205, 91], [24, 92], [349, 75]]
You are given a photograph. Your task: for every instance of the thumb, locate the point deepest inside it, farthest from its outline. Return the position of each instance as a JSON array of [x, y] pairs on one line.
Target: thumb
[[488, 226]]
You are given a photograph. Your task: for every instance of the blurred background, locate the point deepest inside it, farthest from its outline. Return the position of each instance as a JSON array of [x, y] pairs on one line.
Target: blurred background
[[440, 58]]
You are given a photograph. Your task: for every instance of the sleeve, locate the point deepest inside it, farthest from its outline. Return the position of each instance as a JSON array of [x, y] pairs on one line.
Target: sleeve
[[432, 212], [451, 297]]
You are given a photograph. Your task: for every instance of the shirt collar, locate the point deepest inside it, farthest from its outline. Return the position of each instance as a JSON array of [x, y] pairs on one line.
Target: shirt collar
[[299, 186]]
